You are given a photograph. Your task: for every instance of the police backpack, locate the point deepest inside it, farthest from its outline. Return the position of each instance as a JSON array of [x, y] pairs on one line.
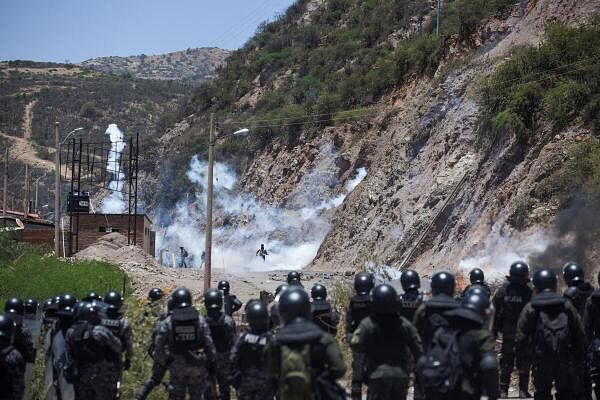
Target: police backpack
[[440, 369], [552, 335], [186, 334]]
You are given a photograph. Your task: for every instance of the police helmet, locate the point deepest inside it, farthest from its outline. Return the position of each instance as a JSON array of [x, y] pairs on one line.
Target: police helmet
[[7, 329], [318, 292], [89, 312], [443, 283], [479, 303], [410, 280], [293, 278], [570, 293], [31, 306], [224, 286], [384, 299], [476, 276], [67, 300], [544, 279], [180, 297], [363, 282], [571, 270], [114, 299], [213, 299], [155, 294], [478, 290], [15, 305], [257, 315], [281, 288], [294, 303], [519, 271], [92, 296]]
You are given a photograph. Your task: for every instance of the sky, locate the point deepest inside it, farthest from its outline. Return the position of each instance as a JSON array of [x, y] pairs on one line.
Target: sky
[[76, 30]]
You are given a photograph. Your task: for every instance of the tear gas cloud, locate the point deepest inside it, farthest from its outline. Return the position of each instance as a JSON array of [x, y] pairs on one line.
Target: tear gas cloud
[[114, 203], [291, 235]]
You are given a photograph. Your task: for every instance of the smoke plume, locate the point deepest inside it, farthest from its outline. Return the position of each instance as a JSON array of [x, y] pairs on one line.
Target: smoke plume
[[114, 203], [242, 223]]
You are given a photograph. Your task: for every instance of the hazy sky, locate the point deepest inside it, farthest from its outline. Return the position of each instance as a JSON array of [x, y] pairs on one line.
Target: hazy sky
[[75, 30]]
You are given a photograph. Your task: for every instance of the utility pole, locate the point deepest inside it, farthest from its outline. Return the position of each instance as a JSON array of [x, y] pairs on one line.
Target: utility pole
[[439, 11], [35, 203], [56, 191], [26, 191], [209, 200], [5, 189]]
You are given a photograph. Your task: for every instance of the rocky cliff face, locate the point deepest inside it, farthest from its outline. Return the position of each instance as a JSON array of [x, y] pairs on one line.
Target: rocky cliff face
[[194, 65], [431, 197]]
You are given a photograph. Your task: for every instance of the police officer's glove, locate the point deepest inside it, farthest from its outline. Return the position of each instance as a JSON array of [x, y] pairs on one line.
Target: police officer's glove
[[127, 364]]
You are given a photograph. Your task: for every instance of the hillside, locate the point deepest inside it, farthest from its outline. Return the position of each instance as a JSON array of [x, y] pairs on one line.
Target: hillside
[[477, 150], [191, 65]]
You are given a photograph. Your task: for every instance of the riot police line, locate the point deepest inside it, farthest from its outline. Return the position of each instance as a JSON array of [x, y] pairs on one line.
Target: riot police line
[[442, 345]]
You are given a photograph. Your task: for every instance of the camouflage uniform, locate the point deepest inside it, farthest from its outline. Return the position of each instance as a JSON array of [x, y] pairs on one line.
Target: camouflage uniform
[[119, 325], [94, 352], [508, 302], [324, 316], [222, 332], [430, 316], [410, 301], [24, 340], [562, 370], [249, 377], [389, 343], [158, 369], [183, 343], [358, 309], [12, 371]]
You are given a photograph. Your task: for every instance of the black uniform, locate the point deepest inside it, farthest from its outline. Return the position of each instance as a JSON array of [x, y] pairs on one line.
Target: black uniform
[[248, 367], [222, 332], [324, 316], [12, 373], [508, 301], [231, 304]]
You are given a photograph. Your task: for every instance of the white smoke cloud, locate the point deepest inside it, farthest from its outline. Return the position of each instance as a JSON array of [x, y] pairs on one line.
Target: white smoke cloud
[[114, 202], [242, 223]]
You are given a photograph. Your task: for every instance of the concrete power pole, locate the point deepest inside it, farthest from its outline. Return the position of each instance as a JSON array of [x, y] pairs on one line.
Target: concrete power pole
[[56, 191], [5, 188], [26, 196], [209, 201]]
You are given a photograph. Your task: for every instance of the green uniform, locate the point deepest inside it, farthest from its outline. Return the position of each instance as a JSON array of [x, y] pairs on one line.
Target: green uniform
[[565, 370], [389, 343], [326, 360]]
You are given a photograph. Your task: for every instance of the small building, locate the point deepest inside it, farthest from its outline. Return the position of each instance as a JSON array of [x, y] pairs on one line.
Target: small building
[[30, 228], [94, 226]]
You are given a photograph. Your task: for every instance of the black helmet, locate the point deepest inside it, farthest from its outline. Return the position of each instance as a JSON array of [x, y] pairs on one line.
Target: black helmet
[[113, 299], [477, 302], [384, 299], [293, 277], [318, 292], [478, 290], [213, 299], [281, 288], [155, 294], [181, 297], [257, 315], [67, 300], [15, 305], [92, 296], [519, 271], [31, 306], [7, 329], [443, 283], [544, 279], [570, 293], [577, 281], [476, 276], [363, 282], [294, 303], [570, 271], [410, 280], [224, 286], [89, 312]]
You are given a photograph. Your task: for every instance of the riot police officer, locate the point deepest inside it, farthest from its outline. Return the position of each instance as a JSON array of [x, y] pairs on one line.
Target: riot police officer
[[411, 299], [23, 340], [222, 331], [230, 301], [322, 313], [294, 279], [302, 358], [12, 365], [508, 301], [551, 333], [358, 309], [387, 341], [93, 353], [183, 342], [91, 297], [119, 325], [591, 324], [275, 319], [247, 357], [477, 279], [578, 290]]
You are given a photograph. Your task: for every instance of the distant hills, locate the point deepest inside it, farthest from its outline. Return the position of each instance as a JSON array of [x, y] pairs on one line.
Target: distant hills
[[191, 65]]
